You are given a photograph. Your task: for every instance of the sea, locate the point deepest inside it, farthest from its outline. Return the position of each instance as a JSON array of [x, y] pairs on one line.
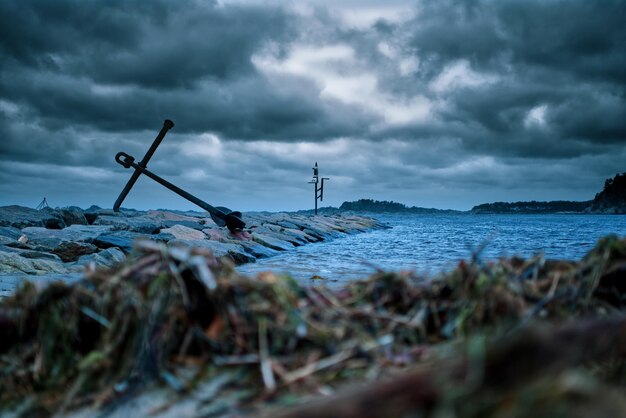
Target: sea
[[433, 244]]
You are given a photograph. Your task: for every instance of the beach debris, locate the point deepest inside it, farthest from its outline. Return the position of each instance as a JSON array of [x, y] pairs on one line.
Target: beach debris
[[492, 379], [181, 317], [220, 215]]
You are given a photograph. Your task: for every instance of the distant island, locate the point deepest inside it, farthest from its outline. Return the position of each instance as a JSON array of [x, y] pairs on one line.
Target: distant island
[[611, 200], [377, 206], [557, 206]]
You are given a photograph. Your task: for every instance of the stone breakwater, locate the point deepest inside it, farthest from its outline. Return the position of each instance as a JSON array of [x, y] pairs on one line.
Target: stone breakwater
[[49, 244]]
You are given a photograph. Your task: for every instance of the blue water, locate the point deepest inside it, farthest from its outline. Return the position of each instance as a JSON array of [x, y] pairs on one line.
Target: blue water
[[435, 243]]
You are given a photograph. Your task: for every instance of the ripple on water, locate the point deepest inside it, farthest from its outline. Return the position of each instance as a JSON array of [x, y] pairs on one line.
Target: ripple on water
[[434, 243]]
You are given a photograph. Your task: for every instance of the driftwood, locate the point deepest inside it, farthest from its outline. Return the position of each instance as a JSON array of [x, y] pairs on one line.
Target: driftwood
[[506, 364]]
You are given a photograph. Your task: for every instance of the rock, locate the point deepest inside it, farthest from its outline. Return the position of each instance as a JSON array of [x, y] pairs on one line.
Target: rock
[[220, 249], [215, 234], [167, 216], [92, 213], [40, 255], [69, 243], [295, 236], [189, 224], [6, 240], [9, 282], [84, 233], [288, 224], [11, 263], [184, 232], [20, 217], [121, 241], [10, 232], [72, 251], [141, 224], [320, 236], [124, 239], [30, 253], [271, 242], [43, 244], [105, 258], [257, 250], [73, 216], [54, 220]]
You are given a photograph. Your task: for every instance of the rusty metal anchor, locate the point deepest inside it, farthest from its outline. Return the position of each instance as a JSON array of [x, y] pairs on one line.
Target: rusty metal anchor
[[221, 216]]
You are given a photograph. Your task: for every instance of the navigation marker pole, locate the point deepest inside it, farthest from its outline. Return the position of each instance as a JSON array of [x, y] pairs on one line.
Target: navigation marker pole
[[318, 191]]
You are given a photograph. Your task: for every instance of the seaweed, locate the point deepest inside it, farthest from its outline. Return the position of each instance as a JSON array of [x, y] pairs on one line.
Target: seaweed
[[182, 318]]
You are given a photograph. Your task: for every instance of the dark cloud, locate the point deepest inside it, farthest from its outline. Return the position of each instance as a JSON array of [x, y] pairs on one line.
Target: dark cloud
[[121, 67], [566, 57], [446, 97]]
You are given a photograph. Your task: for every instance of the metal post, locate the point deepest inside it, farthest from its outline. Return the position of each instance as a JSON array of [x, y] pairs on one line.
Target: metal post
[[318, 192], [315, 186]]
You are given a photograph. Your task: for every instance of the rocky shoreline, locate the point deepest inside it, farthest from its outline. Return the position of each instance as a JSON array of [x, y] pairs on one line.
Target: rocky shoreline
[[51, 244]]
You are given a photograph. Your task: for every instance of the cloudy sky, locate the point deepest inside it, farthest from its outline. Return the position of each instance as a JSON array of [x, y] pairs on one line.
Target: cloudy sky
[[441, 104]]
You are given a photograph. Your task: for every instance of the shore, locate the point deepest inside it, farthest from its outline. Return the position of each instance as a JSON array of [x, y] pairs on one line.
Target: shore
[[173, 331], [52, 244]]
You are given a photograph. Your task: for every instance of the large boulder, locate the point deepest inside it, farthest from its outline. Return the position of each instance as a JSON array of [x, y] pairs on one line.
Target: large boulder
[[168, 216], [6, 240], [11, 232], [189, 224], [124, 239], [257, 250], [11, 263], [20, 217], [105, 258], [184, 232], [72, 250], [272, 242], [141, 224], [73, 215], [92, 213], [86, 233], [295, 236], [30, 253], [9, 282], [235, 252], [216, 234]]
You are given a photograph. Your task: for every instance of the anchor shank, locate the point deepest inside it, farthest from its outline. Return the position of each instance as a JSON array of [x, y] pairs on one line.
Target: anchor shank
[[167, 125], [211, 209]]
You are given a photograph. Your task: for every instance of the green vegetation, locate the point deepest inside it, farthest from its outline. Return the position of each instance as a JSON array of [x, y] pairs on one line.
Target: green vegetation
[[384, 206], [612, 199], [533, 207]]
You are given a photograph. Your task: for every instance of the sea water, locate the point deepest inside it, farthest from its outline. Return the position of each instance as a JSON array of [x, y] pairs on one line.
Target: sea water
[[429, 244]]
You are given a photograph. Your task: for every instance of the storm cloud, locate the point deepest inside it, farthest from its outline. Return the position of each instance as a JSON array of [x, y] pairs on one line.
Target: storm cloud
[[445, 104]]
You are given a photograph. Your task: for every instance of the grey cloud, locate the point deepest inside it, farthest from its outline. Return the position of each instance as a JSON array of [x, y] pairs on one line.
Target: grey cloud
[[158, 44], [88, 79], [124, 67], [567, 56], [246, 109]]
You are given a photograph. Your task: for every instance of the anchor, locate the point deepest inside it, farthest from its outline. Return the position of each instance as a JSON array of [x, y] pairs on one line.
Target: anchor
[[221, 216]]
